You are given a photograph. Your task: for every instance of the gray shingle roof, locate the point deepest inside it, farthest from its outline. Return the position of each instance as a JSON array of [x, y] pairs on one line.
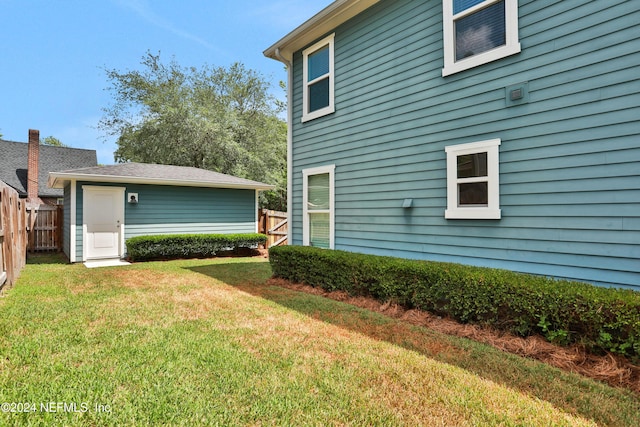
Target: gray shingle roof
[[13, 164], [146, 173]]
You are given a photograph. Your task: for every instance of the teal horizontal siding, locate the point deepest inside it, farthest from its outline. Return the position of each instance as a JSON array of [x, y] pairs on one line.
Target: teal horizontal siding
[[180, 210], [66, 223], [189, 228], [601, 276], [79, 219], [569, 159]]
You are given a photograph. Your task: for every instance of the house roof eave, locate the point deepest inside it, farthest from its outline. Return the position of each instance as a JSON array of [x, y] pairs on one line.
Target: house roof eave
[[58, 180], [337, 13]]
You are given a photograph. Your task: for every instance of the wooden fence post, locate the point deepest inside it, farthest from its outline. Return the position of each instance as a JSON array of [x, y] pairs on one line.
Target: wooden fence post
[[59, 226]]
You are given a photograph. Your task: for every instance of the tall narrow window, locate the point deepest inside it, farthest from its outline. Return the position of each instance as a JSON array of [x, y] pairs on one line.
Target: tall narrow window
[[318, 210], [318, 70], [477, 32], [472, 181]]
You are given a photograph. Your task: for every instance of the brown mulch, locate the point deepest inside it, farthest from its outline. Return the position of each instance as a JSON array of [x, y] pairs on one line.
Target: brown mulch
[[611, 369]]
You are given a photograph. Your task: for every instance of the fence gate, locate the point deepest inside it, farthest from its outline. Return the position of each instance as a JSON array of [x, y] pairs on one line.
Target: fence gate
[[45, 228], [274, 225]]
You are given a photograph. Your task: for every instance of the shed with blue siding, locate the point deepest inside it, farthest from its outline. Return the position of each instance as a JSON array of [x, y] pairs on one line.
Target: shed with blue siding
[[522, 153], [106, 205]]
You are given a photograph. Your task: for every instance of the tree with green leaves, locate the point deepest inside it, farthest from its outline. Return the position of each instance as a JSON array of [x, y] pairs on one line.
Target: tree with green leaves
[[215, 118], [53, 141]]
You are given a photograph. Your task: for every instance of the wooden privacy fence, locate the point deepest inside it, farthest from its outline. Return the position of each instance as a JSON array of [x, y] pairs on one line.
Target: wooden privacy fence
[[274, 225], [45, 228], [13, 235]]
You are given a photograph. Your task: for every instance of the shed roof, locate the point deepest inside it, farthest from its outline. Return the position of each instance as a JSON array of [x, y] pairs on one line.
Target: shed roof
[[337, 13], [146, 173], [14, 159]]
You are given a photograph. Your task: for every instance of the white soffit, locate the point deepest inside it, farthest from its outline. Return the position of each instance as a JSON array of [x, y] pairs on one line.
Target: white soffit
[[337, 13]]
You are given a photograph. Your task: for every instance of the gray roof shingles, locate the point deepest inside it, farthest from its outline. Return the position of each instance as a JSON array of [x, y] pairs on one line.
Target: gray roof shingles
[[13, 165], [164, 173]]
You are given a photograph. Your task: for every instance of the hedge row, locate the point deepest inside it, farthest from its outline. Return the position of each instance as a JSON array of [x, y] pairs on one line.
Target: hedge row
[[565, 312], [174, 246]]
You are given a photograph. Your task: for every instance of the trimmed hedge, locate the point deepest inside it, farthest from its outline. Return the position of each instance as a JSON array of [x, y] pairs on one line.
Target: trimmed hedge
[[565, 312], [174, 246]]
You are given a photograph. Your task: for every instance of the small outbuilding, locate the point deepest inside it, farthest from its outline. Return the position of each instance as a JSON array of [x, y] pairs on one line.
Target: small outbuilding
[[106, 205]]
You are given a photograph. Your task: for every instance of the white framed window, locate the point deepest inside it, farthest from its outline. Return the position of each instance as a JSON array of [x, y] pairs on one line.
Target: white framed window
[[318, 74], [473, 190], [318, 207], [477, 32]]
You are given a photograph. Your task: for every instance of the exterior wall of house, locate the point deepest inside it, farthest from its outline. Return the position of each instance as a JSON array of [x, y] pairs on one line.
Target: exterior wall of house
[[569, 170], [177, 210], [79, 219], [66, 225]]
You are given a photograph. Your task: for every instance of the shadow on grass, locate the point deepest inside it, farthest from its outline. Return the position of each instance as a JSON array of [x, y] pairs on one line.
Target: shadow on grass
[[47, 258], [570, 392]]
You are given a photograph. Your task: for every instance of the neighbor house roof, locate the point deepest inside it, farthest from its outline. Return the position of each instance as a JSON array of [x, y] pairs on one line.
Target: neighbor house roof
[[14, 158], [145, 173], [337, 13]]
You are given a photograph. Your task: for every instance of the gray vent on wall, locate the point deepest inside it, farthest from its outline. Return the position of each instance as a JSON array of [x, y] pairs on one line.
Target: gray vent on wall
[[517, 94]]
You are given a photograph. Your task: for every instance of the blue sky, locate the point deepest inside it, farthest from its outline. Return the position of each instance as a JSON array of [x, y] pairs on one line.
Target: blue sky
[[53, 53]]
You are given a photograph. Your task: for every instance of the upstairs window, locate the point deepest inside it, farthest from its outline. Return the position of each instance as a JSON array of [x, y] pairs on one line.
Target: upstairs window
[[477, 32], [472, 181], [318, 71]]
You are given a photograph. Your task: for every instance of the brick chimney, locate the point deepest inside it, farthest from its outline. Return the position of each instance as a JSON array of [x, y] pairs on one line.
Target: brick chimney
[[32, 165]]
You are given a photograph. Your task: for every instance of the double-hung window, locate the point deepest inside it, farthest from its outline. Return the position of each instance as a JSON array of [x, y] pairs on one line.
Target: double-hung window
[[318, 71], [318, 207], [477, 32], [472, 181]]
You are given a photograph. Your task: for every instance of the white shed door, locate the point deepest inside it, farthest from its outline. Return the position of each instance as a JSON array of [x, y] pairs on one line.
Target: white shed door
[[103, 212]]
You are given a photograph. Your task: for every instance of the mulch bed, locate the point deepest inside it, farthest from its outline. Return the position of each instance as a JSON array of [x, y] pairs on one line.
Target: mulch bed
[[611, 369]]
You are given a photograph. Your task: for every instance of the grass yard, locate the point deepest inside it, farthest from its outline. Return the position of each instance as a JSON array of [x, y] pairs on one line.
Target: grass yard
[[207, 342]]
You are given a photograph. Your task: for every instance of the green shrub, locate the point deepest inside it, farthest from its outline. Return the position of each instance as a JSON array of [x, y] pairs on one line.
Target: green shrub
[[174, 246], [565, 312]]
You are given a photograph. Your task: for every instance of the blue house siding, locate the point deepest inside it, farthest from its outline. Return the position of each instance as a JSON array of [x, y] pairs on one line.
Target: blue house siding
[[176, 210], [569, 158], [66, 223], [80, 219]]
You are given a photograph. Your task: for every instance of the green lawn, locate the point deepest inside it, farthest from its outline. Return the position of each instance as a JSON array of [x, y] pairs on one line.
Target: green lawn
[[206, 342]]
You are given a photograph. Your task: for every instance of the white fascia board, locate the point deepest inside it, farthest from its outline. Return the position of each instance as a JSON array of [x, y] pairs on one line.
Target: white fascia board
[[57, 180], [337, 13]]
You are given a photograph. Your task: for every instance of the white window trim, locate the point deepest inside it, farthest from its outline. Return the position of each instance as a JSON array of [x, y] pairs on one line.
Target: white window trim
[[511, 47], [330, 169], [306, 115], [492, 210]]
